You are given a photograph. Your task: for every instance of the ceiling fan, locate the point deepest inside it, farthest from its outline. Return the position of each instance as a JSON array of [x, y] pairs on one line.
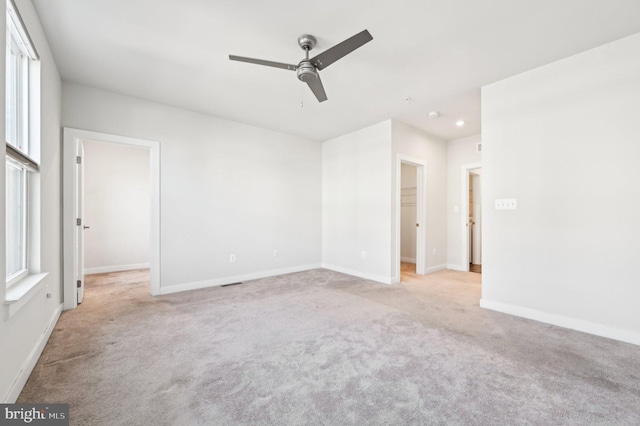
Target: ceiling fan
[[307, 69]]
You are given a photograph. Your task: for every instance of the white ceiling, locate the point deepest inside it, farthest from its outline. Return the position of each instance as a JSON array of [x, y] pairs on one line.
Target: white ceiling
[[425, 55]]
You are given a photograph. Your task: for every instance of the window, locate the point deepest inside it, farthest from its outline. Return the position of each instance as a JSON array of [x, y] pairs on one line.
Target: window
[[16, 221], [22, 143]]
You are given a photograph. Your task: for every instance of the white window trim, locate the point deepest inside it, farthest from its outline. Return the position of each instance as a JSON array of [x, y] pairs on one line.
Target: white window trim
[[19, 294], [24, 272], [23, 286], [20, 28]]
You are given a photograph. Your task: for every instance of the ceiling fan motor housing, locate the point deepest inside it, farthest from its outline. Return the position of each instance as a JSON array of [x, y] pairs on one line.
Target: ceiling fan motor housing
[[307, 72]]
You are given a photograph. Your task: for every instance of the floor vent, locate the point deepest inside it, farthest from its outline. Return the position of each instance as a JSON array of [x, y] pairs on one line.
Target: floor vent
[[227, 285]]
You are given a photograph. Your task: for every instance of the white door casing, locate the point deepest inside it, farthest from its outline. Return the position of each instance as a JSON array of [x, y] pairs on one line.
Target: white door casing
[[72, 199]]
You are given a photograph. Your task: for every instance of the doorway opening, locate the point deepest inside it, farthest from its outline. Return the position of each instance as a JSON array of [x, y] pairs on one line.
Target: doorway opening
[[116, 207], [410, 244], [472, 218], [408, 217], [475, 220], [75, 224]]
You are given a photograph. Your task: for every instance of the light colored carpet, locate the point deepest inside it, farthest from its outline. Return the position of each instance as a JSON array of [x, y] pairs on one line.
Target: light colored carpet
[[323, 348]]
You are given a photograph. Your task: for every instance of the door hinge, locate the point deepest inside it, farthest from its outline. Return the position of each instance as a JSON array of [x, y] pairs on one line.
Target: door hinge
[[78, 222], [78, 283], [78, 160]]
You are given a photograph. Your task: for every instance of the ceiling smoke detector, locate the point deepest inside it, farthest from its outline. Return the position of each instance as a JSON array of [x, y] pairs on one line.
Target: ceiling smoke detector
[[434, 114]]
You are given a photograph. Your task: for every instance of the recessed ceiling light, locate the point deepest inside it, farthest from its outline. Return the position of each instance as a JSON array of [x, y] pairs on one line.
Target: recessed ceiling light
[[434, 114], [460, 123]]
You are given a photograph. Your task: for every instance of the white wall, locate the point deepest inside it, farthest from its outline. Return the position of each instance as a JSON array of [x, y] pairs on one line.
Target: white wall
[[408, 210], [359, 194], [116, 207], [226, 188], [563, 140], [412, 142], [24, 334], [459, 152], [356, 202]]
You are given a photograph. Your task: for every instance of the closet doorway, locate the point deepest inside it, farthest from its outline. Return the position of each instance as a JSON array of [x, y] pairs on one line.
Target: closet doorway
[[475, 220], [408, 217], [472, 218], [410, 227]]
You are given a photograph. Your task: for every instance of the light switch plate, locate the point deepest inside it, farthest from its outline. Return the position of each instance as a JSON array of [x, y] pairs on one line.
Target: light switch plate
[[507, 204]]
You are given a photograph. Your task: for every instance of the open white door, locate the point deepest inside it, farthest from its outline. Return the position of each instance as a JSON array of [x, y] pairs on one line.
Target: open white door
[[80, 225], [421, 220], [72, 225]]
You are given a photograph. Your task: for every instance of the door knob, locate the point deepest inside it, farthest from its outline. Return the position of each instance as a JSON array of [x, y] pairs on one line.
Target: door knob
[[85, 227]]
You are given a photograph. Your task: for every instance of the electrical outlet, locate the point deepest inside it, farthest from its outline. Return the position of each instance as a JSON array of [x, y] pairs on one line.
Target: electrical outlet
[[232, 258], [363, 254], [276, 253]]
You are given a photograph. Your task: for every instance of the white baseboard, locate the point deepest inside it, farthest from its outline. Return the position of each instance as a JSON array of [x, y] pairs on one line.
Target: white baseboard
[[235, 279], [373, 277], [408, 259], [430, 270], [436, 268], [116, 268], [32, 359], [455, 267], [562, 321]]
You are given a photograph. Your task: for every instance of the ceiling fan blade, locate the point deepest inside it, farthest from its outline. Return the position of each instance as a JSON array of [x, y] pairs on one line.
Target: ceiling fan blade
[[262, 62], [318, 89], [331, 55]]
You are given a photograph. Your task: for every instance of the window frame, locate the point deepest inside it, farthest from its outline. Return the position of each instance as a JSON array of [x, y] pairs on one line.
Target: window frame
[[21, 273], [19, 53], [21, 138]]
